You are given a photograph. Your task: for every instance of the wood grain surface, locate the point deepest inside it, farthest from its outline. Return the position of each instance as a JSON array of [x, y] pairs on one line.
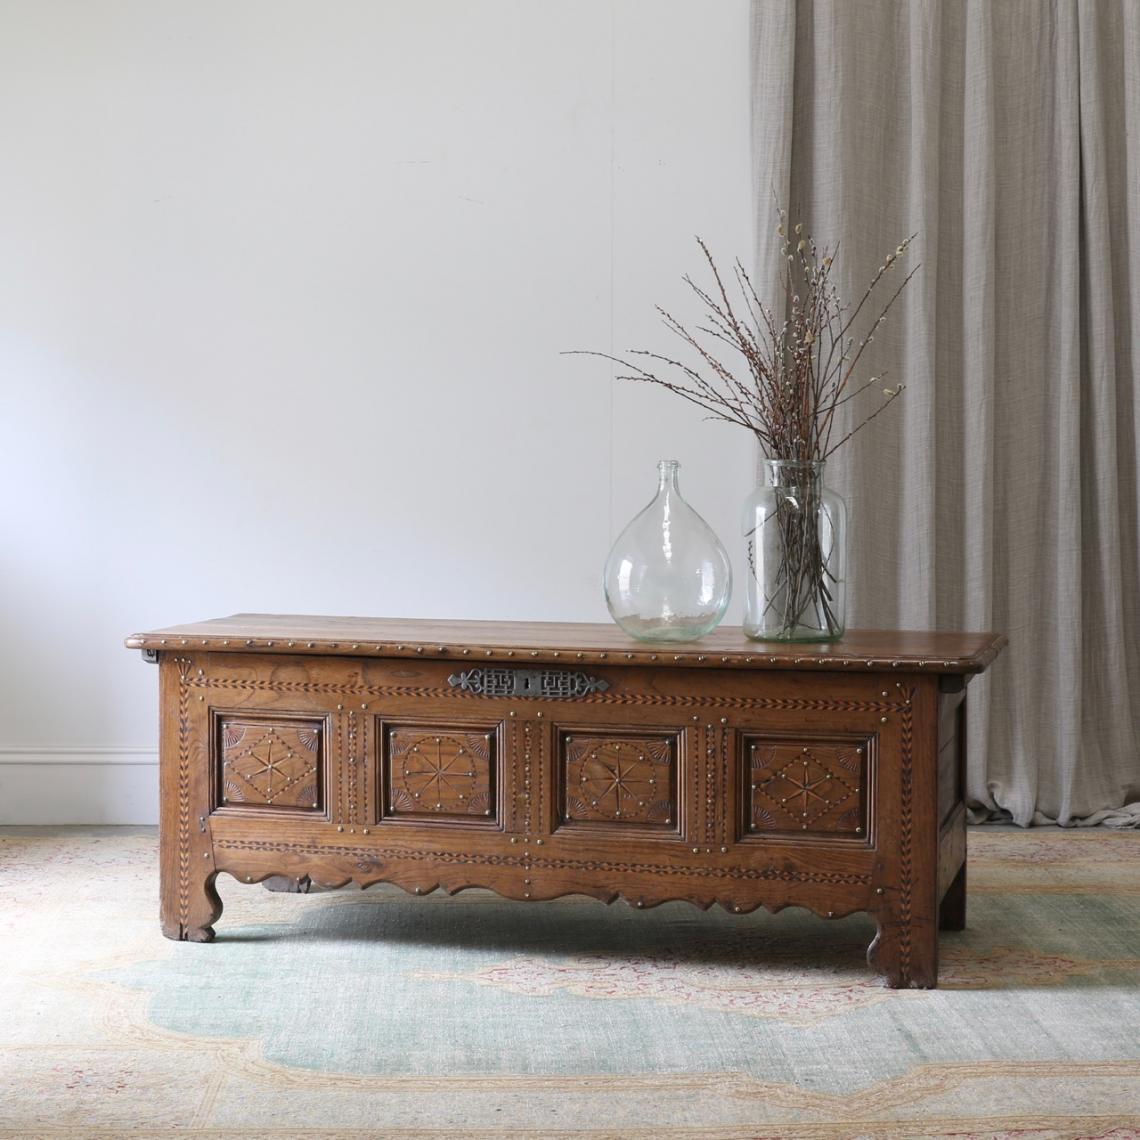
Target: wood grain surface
[[546, 642]]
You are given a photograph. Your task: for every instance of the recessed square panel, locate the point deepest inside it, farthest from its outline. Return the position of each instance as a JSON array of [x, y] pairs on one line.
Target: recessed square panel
[[619, 778], [437, 772], [815, 786], [270, 762]]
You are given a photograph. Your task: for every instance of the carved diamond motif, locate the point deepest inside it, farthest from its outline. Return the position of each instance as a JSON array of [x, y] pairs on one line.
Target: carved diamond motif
[[620, 779], [817, 786], [439, 772], [270, 764]]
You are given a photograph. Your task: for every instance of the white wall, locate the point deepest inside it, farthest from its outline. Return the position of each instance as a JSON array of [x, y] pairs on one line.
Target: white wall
[[283, 287]]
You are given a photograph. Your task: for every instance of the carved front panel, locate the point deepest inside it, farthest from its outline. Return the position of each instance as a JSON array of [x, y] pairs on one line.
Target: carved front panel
[[619, 779], [798, 786], [438, 772], [270, 762]]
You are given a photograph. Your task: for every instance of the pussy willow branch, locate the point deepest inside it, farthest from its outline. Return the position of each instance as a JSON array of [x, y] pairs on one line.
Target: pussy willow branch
[[797, 371]]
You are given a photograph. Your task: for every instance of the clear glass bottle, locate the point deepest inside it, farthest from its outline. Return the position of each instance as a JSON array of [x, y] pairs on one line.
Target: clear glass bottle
[[796, 530], [668, 578]]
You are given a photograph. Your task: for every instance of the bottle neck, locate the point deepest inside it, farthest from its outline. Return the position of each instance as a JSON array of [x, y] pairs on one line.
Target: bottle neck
[[667, 475]]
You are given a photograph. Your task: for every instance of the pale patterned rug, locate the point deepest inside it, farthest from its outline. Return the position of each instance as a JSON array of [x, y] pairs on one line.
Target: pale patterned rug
[[355, 1014]]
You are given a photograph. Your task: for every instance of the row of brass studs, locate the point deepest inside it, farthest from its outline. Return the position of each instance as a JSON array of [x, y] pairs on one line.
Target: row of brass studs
[[443, 650]]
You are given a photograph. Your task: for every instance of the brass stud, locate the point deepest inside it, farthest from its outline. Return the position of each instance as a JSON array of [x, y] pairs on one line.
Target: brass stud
[[878, 890], [514, 839], [364, 831], [724, 720], [538, 842], [724, 850], [340, 827], [858, 831], [696, 850], [205, 854], [249, 878], [883, 719]]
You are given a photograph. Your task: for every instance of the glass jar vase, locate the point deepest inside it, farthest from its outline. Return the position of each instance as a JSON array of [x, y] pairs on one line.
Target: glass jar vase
[[796, 530], [667, 578]]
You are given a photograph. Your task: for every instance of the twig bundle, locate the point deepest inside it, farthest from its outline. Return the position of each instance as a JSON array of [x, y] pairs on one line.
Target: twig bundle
[[799, 368]]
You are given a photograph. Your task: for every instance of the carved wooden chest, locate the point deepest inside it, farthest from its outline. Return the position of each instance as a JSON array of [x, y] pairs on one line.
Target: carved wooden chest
[[540, 760]]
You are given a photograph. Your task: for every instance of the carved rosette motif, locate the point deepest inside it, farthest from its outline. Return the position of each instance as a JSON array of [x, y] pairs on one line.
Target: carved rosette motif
[[270, 764], [619, 779], [437, 772], [817, 787]]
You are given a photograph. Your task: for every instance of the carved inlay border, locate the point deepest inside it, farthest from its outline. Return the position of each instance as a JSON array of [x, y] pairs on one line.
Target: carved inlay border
[[371, 857], [652, 700], [906, 834], [183, 792]]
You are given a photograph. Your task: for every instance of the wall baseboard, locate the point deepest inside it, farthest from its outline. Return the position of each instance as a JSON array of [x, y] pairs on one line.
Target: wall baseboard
[[78, 785]]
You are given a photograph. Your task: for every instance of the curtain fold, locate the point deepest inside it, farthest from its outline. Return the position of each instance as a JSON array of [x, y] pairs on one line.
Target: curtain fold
[[1000, 490]]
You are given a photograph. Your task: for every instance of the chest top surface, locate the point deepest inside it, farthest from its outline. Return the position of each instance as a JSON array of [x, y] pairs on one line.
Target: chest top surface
[[568, 643]]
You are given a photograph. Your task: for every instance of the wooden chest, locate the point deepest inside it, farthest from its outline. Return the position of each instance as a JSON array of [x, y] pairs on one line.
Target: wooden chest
[[540, 760]]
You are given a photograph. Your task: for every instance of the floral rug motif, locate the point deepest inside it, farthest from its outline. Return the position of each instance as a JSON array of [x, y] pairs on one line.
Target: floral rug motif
[[782, 992]]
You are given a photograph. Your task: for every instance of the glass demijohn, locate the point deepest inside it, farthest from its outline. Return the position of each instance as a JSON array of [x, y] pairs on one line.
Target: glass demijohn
[[668, 577], [796, 531]]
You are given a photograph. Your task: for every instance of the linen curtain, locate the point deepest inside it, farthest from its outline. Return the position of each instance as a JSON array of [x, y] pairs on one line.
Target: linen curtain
[[1000, 490]]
